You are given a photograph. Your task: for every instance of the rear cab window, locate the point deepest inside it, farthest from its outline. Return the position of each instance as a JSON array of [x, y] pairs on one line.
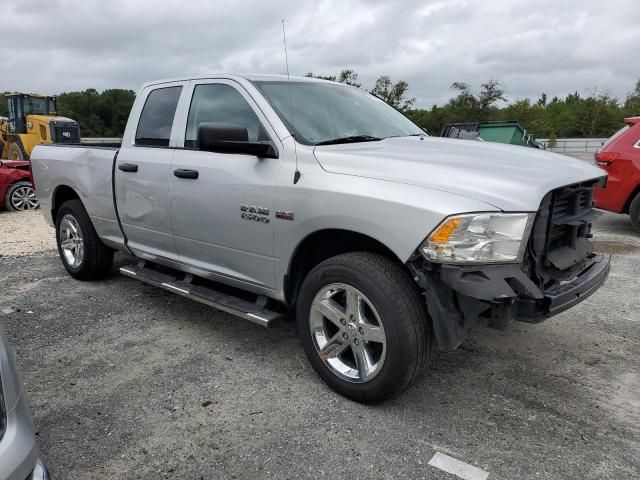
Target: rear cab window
[[156, 119]]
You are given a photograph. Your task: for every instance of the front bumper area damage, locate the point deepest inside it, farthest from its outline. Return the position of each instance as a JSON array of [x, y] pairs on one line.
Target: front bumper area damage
[[461, 297]]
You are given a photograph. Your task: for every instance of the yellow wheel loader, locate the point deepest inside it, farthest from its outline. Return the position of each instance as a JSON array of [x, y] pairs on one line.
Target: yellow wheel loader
[[33, 121]]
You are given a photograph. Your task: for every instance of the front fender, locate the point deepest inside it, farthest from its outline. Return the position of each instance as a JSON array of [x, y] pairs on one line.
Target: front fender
[[399, 216]]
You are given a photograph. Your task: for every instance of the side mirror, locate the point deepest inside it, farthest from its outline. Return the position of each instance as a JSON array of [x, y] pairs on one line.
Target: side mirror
[[230, 138]]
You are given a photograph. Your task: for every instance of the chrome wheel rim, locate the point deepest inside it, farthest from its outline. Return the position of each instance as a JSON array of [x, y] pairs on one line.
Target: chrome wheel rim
[[347, 333], [71, 241], [24, 198]]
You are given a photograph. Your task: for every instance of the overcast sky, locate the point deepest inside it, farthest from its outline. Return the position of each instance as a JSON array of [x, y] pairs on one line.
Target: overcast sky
[[534, 46]]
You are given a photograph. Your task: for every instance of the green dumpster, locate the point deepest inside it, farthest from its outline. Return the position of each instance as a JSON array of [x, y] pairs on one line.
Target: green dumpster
[[504, 132], [498, 131]]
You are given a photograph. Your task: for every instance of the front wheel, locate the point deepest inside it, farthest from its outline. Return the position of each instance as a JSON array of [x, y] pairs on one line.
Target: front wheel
[[83, 254], [364, 326]]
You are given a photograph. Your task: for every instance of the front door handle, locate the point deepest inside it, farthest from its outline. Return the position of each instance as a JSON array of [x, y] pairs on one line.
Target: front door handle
[[185, 173], [128, 167]]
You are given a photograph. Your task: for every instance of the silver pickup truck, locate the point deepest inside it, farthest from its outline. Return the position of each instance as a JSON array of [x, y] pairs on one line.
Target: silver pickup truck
[[259, 194]]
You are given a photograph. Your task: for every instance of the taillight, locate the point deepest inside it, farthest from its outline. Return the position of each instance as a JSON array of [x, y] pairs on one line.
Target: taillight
[[604, 159]]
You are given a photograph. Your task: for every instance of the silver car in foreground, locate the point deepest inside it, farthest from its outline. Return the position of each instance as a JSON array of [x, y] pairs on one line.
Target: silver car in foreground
[[19, 458], [250, 193]]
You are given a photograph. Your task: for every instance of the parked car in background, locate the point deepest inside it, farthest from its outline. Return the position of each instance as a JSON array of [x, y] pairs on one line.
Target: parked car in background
[[620, 158], [19, 459], [16, 187]]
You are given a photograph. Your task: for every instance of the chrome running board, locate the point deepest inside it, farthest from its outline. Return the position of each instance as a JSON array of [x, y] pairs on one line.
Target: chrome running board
[[254, 312]]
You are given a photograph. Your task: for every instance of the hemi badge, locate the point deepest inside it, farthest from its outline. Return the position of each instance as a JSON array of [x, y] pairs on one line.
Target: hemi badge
[[284, 215]]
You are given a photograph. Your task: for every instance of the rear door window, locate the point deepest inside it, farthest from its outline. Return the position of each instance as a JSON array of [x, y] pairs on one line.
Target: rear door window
[[154, 127]]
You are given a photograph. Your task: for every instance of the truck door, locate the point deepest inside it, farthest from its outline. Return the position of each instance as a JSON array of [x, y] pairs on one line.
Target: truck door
[[142, 174], [213, 229]]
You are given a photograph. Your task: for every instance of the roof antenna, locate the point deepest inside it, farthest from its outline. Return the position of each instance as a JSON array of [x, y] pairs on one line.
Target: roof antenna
[[296, 175]]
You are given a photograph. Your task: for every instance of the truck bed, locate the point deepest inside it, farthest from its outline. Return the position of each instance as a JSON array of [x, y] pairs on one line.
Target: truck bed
[[86, 169]]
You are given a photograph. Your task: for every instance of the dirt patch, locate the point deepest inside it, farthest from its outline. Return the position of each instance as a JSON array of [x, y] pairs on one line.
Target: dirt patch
[[25, 233], [617, 248]]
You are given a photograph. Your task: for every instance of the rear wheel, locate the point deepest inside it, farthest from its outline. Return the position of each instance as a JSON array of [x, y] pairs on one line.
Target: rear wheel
[[16, 152], [83, 254], [21, 196], [364, 326], [634, 212]]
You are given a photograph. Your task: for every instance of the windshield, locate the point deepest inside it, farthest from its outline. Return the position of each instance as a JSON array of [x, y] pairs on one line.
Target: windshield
[[326, 113]]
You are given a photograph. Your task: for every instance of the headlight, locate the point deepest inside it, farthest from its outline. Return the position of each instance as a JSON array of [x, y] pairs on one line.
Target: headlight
[[479, 238]]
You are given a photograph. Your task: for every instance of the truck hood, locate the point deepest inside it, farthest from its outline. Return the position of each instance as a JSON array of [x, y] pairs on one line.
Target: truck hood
[[510, 178]]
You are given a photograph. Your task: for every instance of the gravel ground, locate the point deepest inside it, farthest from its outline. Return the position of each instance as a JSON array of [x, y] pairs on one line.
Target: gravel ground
[[128, 381], [25, 233]]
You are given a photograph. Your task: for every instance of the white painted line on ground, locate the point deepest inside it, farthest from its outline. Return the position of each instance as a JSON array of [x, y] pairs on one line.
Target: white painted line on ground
[[458, 468]]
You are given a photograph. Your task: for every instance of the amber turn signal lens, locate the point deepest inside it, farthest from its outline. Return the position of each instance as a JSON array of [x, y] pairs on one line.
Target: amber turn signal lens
[[444, 232]]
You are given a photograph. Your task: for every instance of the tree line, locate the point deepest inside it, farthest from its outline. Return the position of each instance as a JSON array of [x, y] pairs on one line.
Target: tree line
[[598, 114]]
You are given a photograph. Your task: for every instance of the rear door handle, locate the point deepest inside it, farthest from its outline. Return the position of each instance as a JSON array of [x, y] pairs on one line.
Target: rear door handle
[[128, 167], [185, 173]]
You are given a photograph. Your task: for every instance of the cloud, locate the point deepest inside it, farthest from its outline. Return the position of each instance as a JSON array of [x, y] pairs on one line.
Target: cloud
[[541, 46]]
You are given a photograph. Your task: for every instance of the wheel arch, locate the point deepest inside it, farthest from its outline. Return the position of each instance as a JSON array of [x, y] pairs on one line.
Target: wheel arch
[[323, 244], [61, 194], [19, 176]]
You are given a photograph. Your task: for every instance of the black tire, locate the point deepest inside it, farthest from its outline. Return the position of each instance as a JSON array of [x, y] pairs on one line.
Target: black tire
[[402, 312], [96, 258], [634, 212], [12, 206], [16, 152]]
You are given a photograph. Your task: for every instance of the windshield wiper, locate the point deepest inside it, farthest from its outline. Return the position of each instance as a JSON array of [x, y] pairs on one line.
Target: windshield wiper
[[351, 139]]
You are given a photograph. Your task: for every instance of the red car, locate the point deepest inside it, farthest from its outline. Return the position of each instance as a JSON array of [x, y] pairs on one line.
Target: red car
[[620, 158], [16, 187]]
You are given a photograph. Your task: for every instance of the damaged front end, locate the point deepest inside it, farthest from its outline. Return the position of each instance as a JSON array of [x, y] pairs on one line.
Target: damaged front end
[[559, 269]]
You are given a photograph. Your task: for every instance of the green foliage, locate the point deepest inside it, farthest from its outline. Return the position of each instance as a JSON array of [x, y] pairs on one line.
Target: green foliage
[[349, 77], [331, 78], [99, 114], [632, 103], [4, 108], [346, 76], [395, 94], [104, 114], [595, 115]]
